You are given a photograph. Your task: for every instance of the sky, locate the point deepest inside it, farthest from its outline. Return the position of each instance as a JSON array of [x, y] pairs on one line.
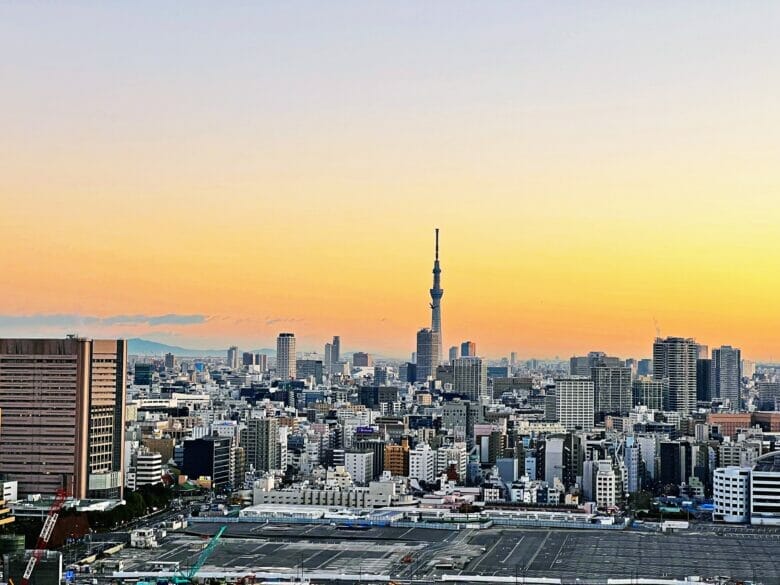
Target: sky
[[208, 174]]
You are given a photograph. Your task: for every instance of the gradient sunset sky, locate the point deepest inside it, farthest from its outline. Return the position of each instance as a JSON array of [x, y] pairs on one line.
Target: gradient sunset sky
[[206, 174]]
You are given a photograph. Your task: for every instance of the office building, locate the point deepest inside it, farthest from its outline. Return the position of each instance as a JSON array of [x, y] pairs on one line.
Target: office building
[[454, 354], [285, 356], [143, 374], [305, 369], [232, 358], [704, 380], [208, 457], [328, 361], [248, 359], [335, 350], [470, 378], [261, 361], [582, 365], [170, 361], [468, 349], [727, 376], [427, 354], [674, 359], [380, 375], [653, 394], [63, 408], [574, 400], [362, 360]]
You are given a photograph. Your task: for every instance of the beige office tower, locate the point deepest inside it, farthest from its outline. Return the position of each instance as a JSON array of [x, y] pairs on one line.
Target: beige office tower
[[285, 356], [63, 404]]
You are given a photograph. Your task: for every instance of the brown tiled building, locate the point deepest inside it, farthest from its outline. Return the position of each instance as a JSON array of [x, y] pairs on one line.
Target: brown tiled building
[[63, 405]]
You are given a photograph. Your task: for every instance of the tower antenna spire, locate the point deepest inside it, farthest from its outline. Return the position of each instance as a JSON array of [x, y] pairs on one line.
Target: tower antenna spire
[[437, 243]]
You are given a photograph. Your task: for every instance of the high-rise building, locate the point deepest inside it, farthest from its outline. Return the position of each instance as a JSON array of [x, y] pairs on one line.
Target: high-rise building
[[674, 358], [248, 359], [612, 387], [703, 380], [335, 350], [309, 368], [727, 375], [260, 440], [232, 357], [261, 361], [454, 354], [63, 409], [513, 359], [362, 360], [427, 354], [285, 356], [170, 361], [328, 361], [654, 394], [748, 369], [468, 349], [470, 377], [437, 292], [582, 365], [574, 403]]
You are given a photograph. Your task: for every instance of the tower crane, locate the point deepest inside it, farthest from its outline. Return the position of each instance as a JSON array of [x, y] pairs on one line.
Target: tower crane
[[189, 576], [43, 538]]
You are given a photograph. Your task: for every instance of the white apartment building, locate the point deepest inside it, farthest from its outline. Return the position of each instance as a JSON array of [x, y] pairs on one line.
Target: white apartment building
[[360, 466], [455, 454], [574, 403], [422, 463]]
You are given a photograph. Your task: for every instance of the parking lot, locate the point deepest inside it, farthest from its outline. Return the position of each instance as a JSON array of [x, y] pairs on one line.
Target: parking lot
[[570, 555]]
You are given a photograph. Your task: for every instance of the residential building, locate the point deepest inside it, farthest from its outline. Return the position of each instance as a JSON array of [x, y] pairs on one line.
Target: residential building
[[470, 378], [674, 359], [285, 356], [574, 398], [727, 376]]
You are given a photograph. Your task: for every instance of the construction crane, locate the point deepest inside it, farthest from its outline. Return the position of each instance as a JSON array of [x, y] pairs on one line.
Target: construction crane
[[43, 538], [189, 576]]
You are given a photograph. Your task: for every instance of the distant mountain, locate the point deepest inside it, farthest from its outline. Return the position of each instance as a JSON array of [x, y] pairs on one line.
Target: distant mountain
[[138, 346]]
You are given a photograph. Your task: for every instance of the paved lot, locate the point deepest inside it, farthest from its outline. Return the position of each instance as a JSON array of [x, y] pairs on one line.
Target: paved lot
[[592, 555], [568, 554]]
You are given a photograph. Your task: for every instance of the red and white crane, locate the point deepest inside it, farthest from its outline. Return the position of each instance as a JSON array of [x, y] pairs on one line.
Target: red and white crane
[[43, 538]]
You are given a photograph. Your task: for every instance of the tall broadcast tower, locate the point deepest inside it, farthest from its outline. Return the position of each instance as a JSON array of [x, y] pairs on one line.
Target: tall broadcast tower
[[437, 292]]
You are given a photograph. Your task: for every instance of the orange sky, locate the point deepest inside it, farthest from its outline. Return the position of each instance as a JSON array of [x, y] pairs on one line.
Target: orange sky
[[290, 182]]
